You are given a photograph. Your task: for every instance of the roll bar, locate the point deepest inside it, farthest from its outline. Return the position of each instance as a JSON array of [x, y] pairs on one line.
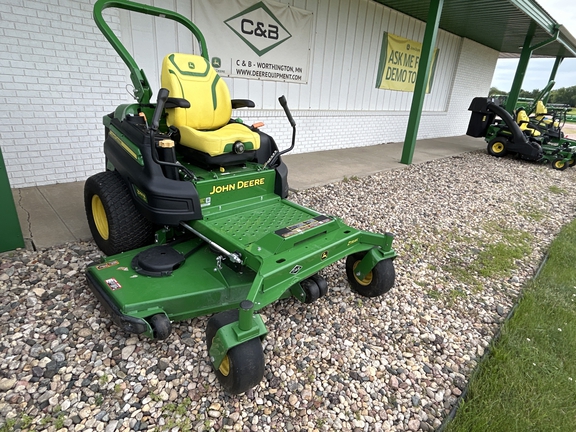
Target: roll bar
[[142, 91]]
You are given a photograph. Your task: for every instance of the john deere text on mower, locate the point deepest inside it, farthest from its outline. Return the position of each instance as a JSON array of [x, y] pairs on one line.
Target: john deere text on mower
[[193, 215]]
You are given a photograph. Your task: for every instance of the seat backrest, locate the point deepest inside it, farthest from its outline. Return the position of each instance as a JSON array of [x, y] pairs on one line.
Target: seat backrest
[[540, 108], [523, 121], [191, 77], [522, 118]]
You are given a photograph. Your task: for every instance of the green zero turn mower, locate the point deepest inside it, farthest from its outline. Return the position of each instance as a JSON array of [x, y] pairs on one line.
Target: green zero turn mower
[[193, 217], [505, 136]]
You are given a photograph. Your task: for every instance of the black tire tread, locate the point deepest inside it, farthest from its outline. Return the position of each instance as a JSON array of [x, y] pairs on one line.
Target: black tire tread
[[128, 228], [248, 366], [383, 277]]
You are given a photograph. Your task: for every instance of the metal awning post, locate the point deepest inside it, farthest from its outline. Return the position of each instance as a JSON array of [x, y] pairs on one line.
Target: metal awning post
[[557, 63], [428, 44], [521, 69], [10, 232]]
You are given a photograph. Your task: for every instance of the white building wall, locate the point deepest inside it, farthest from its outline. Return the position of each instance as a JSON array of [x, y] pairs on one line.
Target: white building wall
[[473, 78], [58, 77]]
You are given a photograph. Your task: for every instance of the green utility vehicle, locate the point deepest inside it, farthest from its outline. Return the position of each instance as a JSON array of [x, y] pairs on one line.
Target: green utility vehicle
[[192, 214]]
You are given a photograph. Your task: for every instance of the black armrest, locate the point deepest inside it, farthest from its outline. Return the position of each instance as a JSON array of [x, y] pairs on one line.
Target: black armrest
[[177, 103], [242, 103]]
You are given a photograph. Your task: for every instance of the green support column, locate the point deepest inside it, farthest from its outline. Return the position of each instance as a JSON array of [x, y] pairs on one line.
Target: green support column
[[553, 75], [521, 69], [10, 232], [428, 44]]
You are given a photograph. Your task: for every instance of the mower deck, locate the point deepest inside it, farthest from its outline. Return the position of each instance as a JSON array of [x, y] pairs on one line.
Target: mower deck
[[280, 244]]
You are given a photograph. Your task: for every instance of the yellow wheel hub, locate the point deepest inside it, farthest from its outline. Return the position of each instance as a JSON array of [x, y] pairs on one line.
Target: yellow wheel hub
[[99, 216], [367, 279], [559, 164], [225, 366], [497, 147]]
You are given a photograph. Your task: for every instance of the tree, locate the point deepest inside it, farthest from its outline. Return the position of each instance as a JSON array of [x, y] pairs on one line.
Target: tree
[[496, 91], [564, 95]]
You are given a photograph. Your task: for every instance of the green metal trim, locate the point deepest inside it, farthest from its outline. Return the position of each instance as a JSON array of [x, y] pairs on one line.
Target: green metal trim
[[536, 14], [231, 335], [142, 90], [434, 14], [547, 41], [567, 40]]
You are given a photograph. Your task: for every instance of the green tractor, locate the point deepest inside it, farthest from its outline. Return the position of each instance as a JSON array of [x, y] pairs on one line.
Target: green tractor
[[192, 213]]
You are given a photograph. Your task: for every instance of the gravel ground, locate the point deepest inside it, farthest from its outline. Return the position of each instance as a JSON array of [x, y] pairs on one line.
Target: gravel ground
[[397, 362]]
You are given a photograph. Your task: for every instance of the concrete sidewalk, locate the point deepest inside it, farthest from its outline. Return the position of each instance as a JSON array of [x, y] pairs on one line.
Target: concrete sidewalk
[[54, 214]]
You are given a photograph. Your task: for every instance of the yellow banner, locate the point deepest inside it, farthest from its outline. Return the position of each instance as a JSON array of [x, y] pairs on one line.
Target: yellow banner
[[399, 60]]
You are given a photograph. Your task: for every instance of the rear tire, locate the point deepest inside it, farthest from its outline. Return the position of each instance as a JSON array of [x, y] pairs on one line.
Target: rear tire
[[114, 221], [497, 147]]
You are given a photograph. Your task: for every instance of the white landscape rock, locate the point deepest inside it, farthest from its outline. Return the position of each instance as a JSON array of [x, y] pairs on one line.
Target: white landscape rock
[[396, 362]]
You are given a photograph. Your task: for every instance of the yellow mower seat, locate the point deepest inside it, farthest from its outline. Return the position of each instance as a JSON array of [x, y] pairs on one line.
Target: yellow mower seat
[[204, 126], [541, 117], [523, 120]]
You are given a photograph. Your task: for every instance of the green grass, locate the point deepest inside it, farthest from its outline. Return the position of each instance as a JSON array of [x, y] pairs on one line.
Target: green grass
[[528, 382], [495, 259], [556, 190]]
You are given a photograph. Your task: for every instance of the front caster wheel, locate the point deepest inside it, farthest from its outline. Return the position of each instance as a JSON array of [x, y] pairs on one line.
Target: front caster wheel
[[379, 281], [243, 366]]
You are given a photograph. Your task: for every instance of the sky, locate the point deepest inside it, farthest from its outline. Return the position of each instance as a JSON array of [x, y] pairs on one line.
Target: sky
[[563, 12]]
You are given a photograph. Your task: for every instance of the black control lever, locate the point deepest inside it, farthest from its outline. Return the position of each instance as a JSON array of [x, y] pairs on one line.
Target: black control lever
[[160, 102], [284, 104], [274, 157]]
